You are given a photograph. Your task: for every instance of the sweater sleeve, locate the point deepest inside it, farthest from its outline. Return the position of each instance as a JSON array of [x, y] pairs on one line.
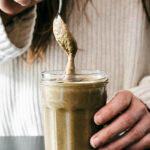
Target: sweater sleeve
[[16, 38], [142, 91]]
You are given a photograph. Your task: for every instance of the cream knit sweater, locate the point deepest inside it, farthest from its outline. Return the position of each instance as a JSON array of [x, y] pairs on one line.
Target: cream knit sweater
[[117, 41]]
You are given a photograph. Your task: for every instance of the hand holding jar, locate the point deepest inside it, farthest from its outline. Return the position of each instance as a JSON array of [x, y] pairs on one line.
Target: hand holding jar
[[131, 116]]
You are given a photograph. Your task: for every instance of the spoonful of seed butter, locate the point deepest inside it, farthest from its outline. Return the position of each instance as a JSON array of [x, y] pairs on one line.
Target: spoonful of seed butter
[[66, 41]]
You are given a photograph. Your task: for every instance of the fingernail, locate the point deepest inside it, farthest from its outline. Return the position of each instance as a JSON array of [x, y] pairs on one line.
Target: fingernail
[[94, 142], [98, 119]]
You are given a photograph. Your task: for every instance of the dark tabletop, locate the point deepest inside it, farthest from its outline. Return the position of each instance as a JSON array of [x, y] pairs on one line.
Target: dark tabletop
[[22, 143]]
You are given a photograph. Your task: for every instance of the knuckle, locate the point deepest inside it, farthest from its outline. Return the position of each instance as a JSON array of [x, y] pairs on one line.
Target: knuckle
[[125, 97], [124, 102], [143, 109], [129, 93], [125, 92], [136, 134], [127, 120], [110, 133], [119, 93], [110, 111]]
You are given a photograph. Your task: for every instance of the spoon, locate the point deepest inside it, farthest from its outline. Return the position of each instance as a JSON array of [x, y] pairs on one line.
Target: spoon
[[65, 39], [60, 7]]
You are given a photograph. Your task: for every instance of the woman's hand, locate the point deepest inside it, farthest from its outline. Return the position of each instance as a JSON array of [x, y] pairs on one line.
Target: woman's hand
[[13, 7], [131, 115]]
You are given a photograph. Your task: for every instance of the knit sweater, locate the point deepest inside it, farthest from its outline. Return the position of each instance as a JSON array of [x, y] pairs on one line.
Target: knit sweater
[[116, 40]]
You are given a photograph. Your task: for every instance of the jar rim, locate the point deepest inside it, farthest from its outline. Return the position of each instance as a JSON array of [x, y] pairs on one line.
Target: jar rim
[[89, 76]]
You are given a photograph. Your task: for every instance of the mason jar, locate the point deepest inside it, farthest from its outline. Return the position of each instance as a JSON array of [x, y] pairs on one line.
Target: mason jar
[[69, 107]]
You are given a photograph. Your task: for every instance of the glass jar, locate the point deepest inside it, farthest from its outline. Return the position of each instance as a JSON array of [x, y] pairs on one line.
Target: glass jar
[[69, 107]]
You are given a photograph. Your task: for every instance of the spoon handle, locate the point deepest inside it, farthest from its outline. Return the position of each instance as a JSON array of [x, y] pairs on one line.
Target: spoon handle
[[60, 6]]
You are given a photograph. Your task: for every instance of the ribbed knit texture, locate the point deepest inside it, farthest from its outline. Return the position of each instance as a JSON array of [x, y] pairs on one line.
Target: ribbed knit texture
[[116, 41], [18, 38]]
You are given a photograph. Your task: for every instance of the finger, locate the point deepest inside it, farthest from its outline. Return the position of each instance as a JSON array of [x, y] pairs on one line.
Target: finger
[[118, 104], [133, 135], [23, 2], [120, 124], [27, 2], [144, 143]]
